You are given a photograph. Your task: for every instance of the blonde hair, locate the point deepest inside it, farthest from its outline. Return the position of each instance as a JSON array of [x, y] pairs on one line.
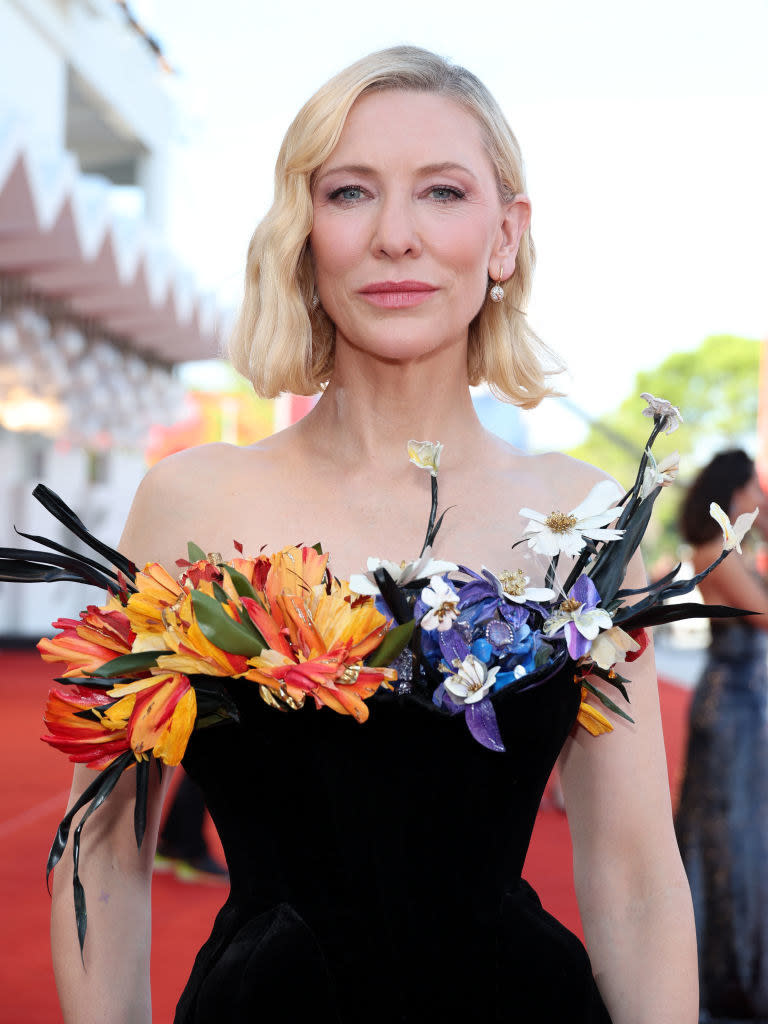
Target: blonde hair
[[282, 340]]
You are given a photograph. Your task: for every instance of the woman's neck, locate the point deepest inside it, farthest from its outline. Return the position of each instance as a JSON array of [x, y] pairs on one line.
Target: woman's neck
[[372, 408]]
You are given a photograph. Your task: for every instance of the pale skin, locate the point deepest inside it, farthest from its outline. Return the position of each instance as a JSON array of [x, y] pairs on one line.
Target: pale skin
[[421, 204]]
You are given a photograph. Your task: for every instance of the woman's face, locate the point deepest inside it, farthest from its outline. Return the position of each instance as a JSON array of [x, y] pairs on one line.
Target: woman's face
[[408, 225]]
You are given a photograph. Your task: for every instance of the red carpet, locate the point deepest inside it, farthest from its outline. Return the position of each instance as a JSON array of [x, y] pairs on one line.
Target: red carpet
[[34, 782]]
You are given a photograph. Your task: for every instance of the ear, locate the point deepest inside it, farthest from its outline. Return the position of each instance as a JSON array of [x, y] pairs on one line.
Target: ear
[[515, 221]]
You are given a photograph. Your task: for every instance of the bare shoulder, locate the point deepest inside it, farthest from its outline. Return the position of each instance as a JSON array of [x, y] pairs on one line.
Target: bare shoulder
[[177, 497], [573, 477], [549, 479]]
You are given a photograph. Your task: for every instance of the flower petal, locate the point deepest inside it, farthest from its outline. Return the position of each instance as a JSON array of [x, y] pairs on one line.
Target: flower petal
[[603, 494]]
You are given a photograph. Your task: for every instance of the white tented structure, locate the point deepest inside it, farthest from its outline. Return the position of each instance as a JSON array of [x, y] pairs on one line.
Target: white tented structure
[[95, 311]]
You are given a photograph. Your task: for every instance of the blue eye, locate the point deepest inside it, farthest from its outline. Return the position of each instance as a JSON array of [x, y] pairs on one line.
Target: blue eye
[[347, 194], [446, 193]]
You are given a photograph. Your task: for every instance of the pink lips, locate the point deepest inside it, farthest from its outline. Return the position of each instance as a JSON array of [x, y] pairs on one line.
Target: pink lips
[[397, 294]]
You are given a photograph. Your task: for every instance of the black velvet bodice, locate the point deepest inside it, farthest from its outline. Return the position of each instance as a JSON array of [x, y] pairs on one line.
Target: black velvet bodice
[[375, 868]]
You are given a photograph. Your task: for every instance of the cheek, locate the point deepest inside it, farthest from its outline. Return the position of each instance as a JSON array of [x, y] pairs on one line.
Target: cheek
[[335, 249], [467, 244], [467, 250]]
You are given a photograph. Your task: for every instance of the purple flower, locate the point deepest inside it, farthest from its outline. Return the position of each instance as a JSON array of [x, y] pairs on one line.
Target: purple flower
[[579, 618]]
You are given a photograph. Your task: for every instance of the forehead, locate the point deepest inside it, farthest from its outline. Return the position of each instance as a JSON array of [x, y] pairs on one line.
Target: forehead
[[421, 127]]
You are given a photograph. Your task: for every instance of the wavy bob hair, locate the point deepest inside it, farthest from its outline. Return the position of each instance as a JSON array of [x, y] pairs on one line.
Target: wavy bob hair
[[281, 340]]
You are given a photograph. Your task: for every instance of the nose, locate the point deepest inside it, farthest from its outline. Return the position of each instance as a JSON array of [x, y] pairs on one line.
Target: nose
[[395, 231]]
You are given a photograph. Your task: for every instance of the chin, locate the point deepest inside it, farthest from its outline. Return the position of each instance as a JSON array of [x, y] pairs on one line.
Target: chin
[[401, 342]]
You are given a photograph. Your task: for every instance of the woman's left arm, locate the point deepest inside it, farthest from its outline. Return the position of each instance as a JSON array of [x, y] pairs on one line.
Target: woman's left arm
[[630, 883]]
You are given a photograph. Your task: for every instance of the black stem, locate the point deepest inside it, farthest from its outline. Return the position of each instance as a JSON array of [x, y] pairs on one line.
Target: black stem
[[432, 515]]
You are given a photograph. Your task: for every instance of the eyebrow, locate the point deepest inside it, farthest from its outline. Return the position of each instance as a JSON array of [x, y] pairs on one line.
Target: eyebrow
[[437, 168]]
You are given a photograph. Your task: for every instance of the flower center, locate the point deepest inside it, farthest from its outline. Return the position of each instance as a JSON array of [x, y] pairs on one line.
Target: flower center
[[447, 608], [559, 522], [473, 685], [513, 582], [570, 604]]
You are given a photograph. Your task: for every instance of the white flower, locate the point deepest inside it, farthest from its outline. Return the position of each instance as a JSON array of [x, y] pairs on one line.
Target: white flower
[[659, 474], [512, 584], [733, 533], [566, 532], [588, 623], [610, 646], [402, 573], [442, 600], [425, 455], [472, 681], [665, 410]]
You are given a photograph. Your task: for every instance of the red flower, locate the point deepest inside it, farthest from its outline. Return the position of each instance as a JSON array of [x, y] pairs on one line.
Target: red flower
[[92, 739], [85, 644], [641, 637]]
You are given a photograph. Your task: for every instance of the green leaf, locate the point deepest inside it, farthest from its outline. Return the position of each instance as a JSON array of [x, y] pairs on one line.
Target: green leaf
[[317, 547], [618, 681], [129, 663], [195, 553], [220, 629], [606, 700], [393, 644], [240, 583]]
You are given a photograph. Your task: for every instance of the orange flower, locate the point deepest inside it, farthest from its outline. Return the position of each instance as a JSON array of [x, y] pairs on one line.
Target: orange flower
[[157, 590], [316, 637], [99, 635], [294, 571], [94, 741], [590, 718], [192, 651], [152, 715], [162, 715]]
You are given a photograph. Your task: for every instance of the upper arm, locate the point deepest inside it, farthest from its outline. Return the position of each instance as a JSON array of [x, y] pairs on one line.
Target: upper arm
[[150, 534], [616, 785]]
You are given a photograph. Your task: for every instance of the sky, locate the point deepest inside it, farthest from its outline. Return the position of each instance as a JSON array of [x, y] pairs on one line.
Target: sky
[[643, 129]]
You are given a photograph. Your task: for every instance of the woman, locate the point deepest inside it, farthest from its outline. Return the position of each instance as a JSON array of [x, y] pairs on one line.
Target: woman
[[376, 871], [722, 821]]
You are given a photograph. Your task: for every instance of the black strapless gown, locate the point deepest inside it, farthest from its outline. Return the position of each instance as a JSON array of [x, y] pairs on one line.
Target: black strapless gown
[[375, 868], [722, 825]]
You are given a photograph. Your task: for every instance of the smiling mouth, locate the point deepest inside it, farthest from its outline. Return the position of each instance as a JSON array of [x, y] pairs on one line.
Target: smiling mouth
[[397, 294]]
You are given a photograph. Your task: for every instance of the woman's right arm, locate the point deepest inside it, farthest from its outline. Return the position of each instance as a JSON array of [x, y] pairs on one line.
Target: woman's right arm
[[111, 982]]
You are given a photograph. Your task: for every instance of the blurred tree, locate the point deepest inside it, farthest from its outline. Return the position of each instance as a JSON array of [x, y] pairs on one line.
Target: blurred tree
[[715, 386]]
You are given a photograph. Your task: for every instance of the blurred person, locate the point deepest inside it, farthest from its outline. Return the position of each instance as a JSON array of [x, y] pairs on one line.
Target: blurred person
[[722, 819], [182, 846]]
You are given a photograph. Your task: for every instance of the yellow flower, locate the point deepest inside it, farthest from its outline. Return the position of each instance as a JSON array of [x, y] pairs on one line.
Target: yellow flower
[[161, 715], [191, 651], [590, 718], [157, 590]]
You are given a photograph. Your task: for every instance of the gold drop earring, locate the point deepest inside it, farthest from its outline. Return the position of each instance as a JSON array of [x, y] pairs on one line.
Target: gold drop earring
[[497, 292]]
